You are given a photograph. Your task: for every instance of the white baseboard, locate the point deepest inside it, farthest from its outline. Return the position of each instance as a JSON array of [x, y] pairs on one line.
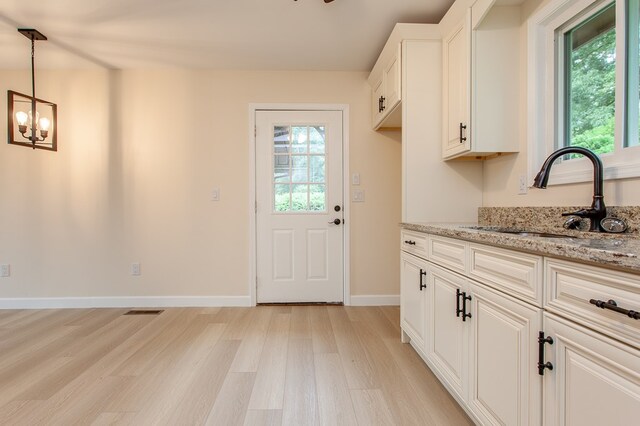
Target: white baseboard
[[124, 302], [376, 300]]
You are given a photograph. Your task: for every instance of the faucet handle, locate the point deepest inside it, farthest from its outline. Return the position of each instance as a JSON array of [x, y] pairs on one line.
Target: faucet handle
[[579, 213], [573, 222]]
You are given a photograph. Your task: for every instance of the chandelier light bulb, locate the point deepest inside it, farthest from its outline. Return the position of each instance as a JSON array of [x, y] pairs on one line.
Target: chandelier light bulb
[[31, 118], [21, 118], [44, 123]]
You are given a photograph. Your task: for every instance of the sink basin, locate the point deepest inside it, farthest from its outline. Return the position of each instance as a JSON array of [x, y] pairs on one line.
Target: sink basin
[[535, 234], [521, 233]]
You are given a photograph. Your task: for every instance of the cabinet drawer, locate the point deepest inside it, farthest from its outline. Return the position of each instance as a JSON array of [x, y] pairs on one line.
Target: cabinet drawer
[[518, 274], [571, 286], [414, 242], [448, 252]]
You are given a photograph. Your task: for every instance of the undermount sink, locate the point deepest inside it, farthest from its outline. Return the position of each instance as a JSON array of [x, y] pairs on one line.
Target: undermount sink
[[536, 234], [521, 233]]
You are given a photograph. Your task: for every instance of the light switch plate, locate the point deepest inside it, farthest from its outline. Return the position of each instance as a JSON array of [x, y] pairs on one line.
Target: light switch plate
[[522, 185], [215, 194], [355, 179], [135, 269], [357, 196], [5, 270]]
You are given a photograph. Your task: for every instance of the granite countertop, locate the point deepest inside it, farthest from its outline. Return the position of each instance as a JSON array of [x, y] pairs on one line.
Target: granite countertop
[[617, 251]]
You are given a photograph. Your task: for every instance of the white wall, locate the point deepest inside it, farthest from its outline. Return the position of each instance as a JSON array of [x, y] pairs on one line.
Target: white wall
[[501, 174], [139, 152]]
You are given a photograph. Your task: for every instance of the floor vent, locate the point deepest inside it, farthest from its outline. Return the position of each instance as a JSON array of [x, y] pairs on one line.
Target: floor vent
[[144, 312], [303, 304]]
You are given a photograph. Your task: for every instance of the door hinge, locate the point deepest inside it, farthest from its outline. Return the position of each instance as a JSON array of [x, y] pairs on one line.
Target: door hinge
[[255, 131], [256, 207]]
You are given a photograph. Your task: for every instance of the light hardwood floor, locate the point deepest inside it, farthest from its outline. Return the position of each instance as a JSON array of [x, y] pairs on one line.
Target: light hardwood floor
[[268, 365]]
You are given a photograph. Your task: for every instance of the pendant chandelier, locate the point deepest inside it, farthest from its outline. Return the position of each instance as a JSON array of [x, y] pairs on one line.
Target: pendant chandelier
[[32, 121]]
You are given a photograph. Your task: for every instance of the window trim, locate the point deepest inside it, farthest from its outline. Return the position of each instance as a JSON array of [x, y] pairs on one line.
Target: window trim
[[544, 86]]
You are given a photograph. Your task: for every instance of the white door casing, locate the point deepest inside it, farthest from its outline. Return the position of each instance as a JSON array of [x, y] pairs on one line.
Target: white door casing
[[299, 183]]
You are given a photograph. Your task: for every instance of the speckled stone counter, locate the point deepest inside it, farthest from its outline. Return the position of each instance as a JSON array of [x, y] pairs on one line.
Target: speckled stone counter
[[618, 251]]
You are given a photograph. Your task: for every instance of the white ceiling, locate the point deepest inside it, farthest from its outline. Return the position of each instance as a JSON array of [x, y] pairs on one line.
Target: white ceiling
[[224, 34]]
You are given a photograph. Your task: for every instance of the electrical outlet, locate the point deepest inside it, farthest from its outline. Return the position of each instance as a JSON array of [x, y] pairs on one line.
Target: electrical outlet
[[357, 196], [135, 269], [522, 188], [5, 270]]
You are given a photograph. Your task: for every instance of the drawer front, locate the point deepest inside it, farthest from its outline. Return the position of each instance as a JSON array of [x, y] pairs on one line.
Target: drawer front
[[571, 286], [414, 242], [448, 252], [518, 274]]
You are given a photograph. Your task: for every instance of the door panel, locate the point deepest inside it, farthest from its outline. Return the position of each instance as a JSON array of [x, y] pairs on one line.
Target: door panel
[[412, 273], [505, 387], [595, 380], [448, 335], [317, 254], [299, 181]]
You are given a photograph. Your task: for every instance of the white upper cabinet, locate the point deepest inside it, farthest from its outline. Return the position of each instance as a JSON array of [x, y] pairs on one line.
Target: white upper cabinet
[[480, 81], [387, 78], [456, 78], [387, 90]]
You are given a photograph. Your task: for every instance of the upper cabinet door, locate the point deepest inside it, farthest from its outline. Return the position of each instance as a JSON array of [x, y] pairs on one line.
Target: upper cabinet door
[[456, 80], [377, 97], [481, 103], [387, 92], [393, 82]]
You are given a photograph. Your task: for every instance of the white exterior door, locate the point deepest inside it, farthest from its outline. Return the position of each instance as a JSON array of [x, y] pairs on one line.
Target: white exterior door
[[299, 200]]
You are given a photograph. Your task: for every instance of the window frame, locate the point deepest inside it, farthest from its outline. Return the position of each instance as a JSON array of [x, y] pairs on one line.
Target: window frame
[[546, 117]]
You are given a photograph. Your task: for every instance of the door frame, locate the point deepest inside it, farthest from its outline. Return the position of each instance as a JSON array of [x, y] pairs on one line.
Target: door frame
[[346, 194]]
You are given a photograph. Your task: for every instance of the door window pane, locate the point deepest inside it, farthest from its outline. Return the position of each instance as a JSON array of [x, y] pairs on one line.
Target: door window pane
[[316, 139], [281, 170], [590, 62], [316, 168], [317, 197], [300, 197], [282, 196], [299, 169], [300, 139]]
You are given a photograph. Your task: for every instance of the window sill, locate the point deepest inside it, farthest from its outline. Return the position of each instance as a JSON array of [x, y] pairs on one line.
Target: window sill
[[564, 177]]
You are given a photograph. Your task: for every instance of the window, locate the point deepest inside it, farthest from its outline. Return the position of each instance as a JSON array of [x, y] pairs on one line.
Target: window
[[633, 73], [588, 71], [299, 168], [584, 86]]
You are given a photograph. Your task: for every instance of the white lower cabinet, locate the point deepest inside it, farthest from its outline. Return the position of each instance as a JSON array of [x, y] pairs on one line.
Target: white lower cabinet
[[594, 380], [505, 388], [413, 280], [501, 354], [481, 345], [447, 334]]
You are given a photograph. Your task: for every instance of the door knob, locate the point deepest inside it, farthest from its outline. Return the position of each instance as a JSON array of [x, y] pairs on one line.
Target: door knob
[[336, 221]]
